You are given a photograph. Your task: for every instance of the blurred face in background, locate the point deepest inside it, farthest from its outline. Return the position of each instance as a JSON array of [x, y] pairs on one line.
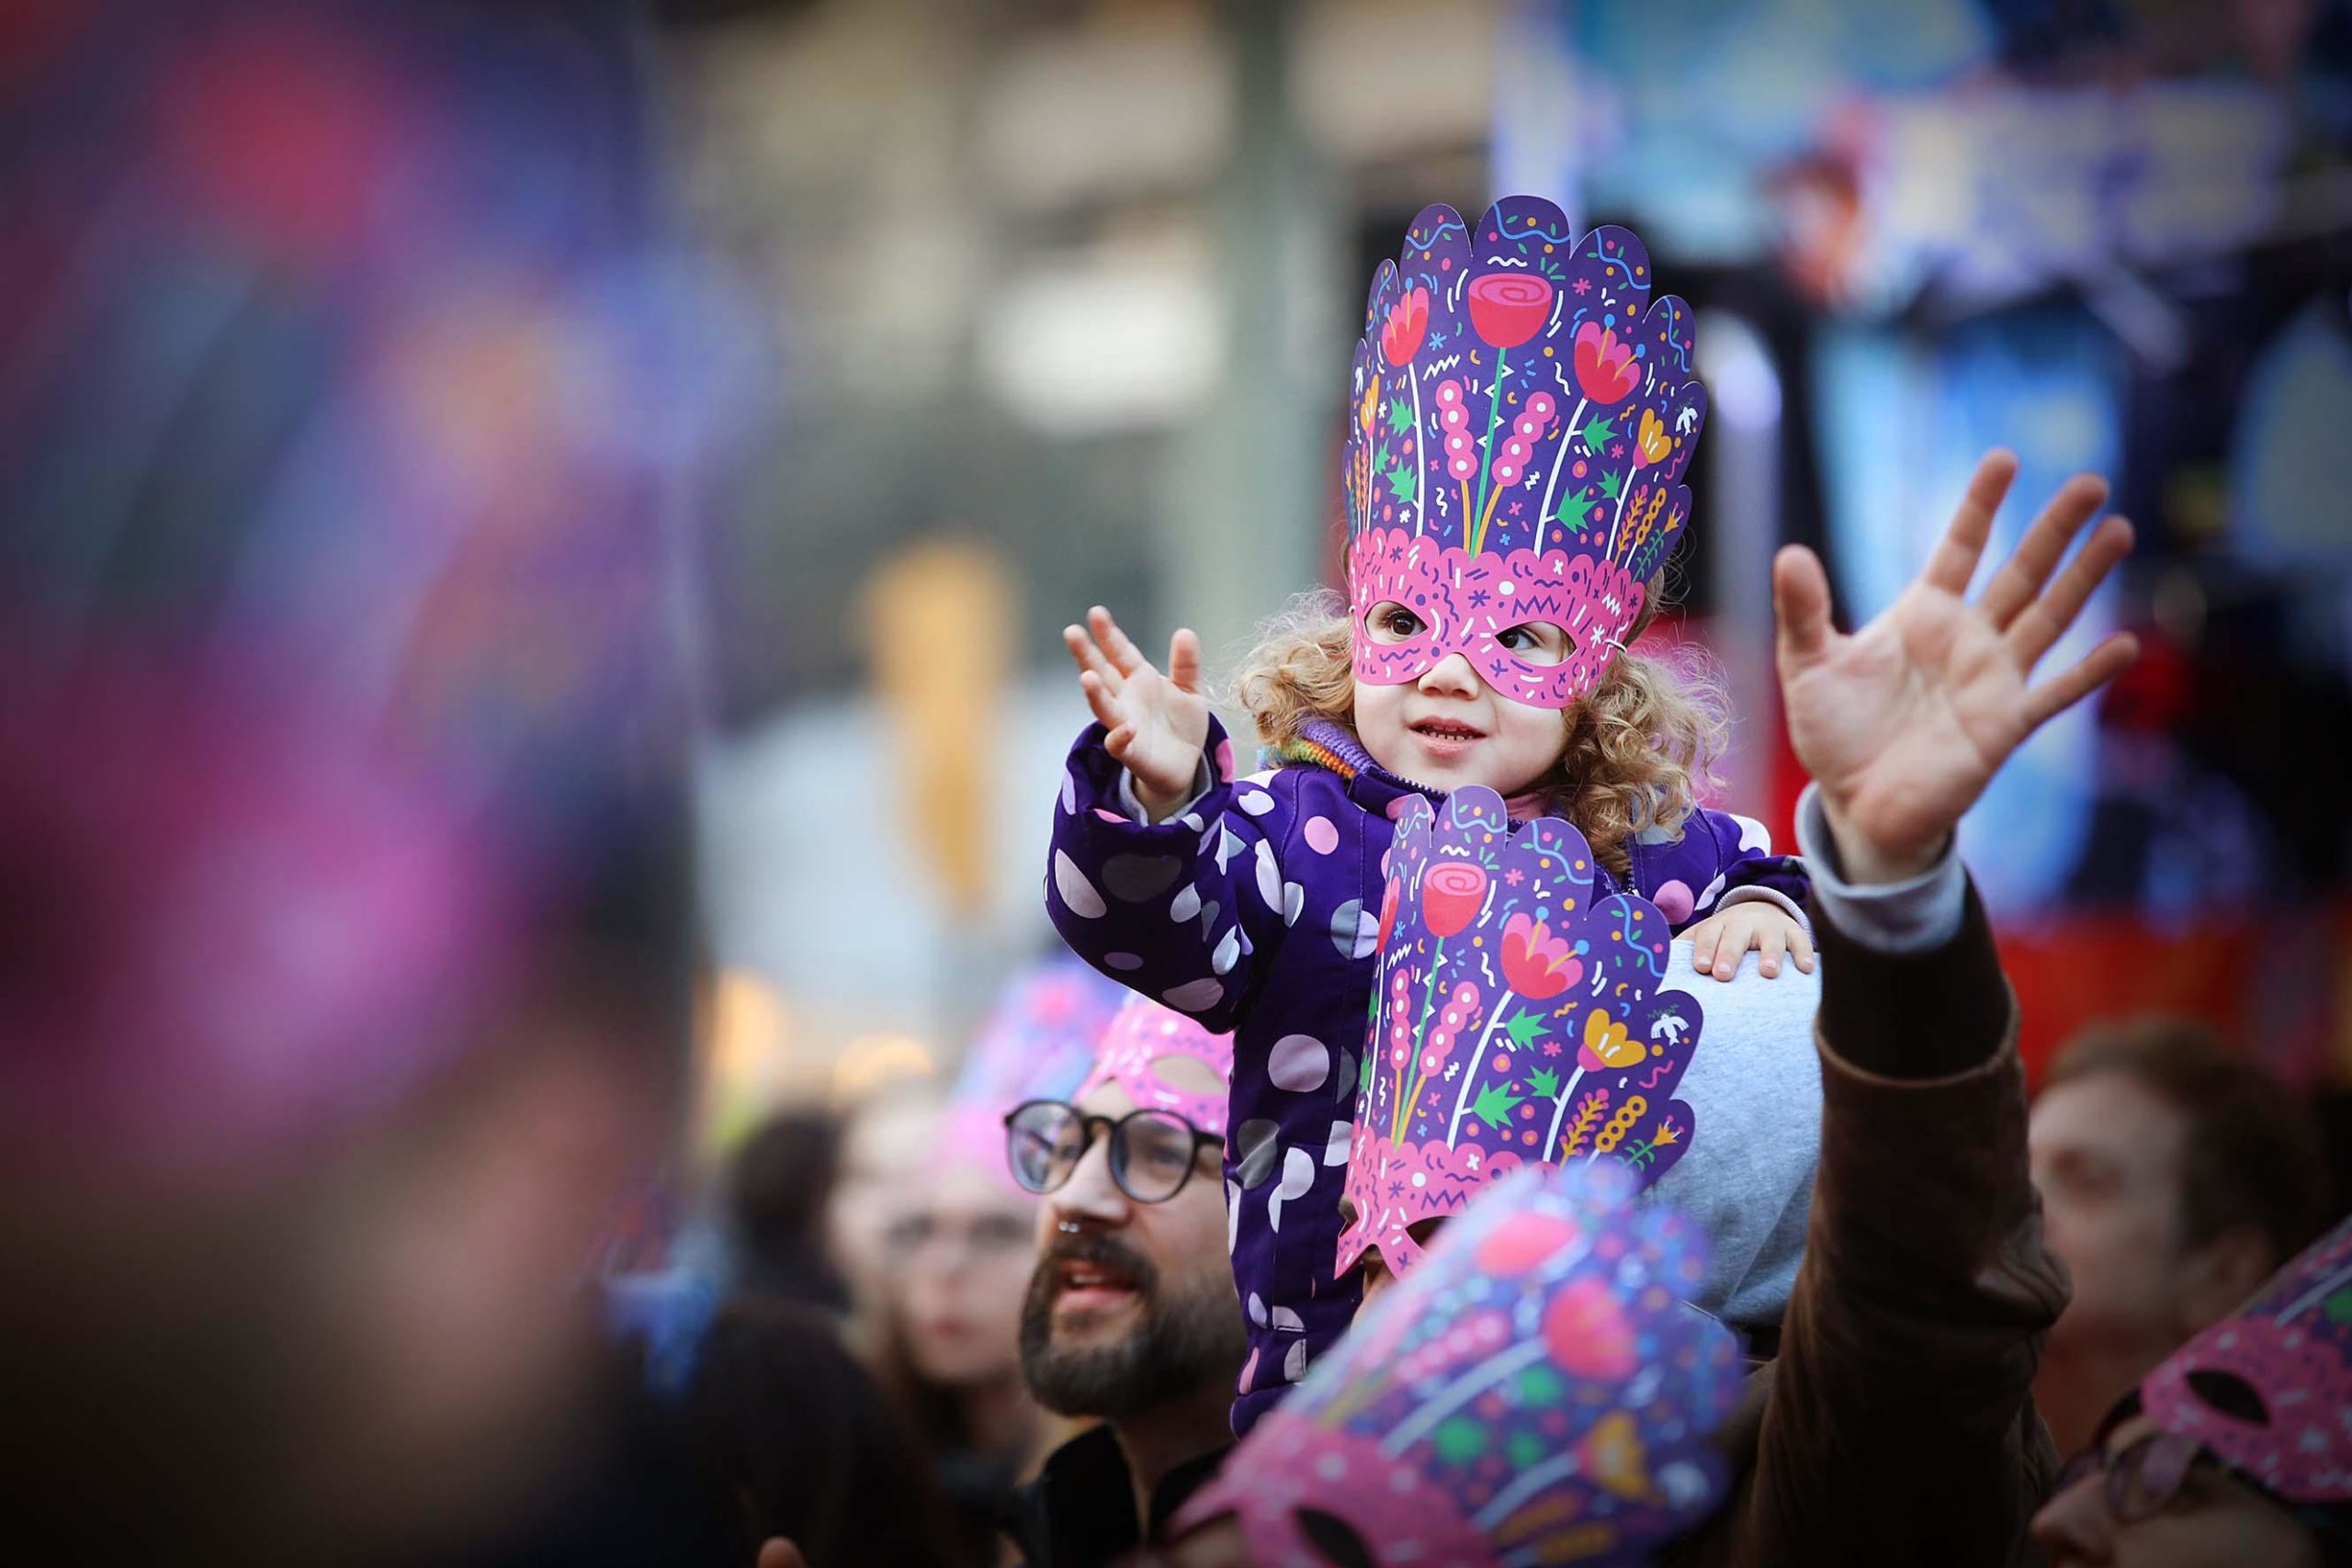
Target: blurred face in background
[[964, 1252], [883, 1145]]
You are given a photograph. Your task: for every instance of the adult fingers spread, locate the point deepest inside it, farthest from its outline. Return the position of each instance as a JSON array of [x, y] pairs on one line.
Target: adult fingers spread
[[1800, 607], [2045, 620], [2044, 545], [1955, 557], [2063, 691]]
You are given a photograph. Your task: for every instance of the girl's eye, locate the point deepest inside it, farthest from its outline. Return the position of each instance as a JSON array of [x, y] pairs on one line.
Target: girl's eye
[[1394, 622], [1537, 642]]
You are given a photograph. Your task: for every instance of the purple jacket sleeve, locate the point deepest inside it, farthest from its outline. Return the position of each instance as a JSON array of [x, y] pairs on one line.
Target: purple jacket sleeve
[[1746, 867], [1188, 911]]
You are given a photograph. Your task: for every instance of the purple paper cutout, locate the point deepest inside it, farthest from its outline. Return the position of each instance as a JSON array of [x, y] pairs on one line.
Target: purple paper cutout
[[1517, 1019], [1538, 1391], [1519, 420]]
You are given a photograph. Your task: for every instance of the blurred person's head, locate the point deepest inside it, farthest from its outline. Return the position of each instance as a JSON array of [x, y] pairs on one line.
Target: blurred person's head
[[1130, 1310], [780, 1187], [2235, 1448], [796, 1441], [964, 1246], [2175, 1176], [341, 745], [883, 1142]]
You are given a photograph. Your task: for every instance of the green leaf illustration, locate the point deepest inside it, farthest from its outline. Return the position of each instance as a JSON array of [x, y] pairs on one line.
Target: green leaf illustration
[[1400, 418], [1459, 1439], [1612, 484], [1574, 510], [1523, 1027], [1494, 1103], [1400, 481], [1597, 433], [1546, 1082]]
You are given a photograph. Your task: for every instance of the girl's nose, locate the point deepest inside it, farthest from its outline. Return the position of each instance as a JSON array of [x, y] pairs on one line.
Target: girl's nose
[[1450, 676]]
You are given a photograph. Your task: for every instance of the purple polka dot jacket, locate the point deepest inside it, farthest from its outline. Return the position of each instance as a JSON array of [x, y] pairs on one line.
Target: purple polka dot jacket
[[1256, 909]]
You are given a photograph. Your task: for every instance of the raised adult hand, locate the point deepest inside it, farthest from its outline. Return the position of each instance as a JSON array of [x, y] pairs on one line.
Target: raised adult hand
[[1156, 723], [1904, 723]]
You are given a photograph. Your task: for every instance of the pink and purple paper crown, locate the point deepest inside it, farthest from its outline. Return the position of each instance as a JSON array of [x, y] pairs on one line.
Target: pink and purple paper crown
[[1521, 418], [1142, 1039], [1037, 1042], [1518, 1020], [2269, 1389], [1538, 1391]]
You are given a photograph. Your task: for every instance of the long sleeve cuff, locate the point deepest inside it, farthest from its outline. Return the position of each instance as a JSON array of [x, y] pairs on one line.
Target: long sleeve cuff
[[1892, 918], [1203, 781]]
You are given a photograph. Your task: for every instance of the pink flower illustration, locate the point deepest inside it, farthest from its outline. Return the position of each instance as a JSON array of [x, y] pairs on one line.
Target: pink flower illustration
[[1508, 308], [1408, 320], [1605, 370], [1537, 964], [1450, 895]]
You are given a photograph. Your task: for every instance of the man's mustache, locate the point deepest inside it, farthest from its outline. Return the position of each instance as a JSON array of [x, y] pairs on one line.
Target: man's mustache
[[1103, 1252]]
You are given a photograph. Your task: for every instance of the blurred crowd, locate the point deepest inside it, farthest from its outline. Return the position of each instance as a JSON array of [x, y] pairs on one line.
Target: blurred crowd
[[358, 400]]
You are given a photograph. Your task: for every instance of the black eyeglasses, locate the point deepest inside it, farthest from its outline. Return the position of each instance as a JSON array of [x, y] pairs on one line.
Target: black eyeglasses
[[1153, 1152], [2142, 1478]]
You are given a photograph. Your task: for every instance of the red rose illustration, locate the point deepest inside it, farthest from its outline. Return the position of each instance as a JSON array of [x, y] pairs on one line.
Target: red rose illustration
[[1537, 964], [1388, 912], [1450, 895], [1409, 320], [1605, 370], [1508, 308]]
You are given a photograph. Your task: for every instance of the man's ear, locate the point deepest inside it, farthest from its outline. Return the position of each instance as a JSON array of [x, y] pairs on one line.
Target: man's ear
[[2217, 1278]]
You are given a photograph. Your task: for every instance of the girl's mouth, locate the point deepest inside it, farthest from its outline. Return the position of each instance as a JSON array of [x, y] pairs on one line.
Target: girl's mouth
[[1446, 737]]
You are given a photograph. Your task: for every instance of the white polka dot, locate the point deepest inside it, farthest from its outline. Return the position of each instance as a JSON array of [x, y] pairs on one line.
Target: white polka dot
[[1187, 905], [1193, 995], [1256, 802], [1078, 894], [1227, 954], [1299, 1063], [1125, 963]]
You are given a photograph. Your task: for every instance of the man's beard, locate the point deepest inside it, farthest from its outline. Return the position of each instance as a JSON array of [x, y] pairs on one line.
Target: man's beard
[[1179, 1344]]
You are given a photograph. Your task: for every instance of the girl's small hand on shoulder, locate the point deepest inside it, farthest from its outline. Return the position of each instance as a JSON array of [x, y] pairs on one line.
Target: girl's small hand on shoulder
[[1718, 941], [1156, 723]]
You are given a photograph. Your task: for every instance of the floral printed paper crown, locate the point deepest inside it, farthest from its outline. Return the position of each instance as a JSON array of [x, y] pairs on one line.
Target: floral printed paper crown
[[1037, 1042], [1539, 1392], [2269, 1389], [1520, 419], [1142, 1038], [1518, 1021]]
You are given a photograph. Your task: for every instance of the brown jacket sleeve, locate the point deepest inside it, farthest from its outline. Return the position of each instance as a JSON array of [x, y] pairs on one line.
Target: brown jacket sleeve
[[1898, 1425]]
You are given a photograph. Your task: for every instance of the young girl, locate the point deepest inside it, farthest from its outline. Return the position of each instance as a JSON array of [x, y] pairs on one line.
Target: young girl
[[1520, 419]]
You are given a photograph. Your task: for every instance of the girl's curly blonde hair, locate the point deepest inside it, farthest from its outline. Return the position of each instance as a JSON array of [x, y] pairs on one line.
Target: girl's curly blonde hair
[[1640, 746]]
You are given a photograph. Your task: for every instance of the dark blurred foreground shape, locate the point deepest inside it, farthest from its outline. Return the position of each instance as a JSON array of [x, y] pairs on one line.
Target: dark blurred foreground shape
[[343, 726]]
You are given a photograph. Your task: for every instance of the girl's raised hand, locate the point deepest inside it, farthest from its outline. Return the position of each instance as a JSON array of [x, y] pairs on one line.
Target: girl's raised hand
[[1157, 723]]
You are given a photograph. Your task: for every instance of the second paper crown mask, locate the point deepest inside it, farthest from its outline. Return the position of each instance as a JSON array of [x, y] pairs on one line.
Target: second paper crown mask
[[1520, 417], [1519, 1020]]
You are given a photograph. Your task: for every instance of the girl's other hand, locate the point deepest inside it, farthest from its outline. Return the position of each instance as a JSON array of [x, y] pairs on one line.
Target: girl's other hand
[[1718, 941], [1157, 723]]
